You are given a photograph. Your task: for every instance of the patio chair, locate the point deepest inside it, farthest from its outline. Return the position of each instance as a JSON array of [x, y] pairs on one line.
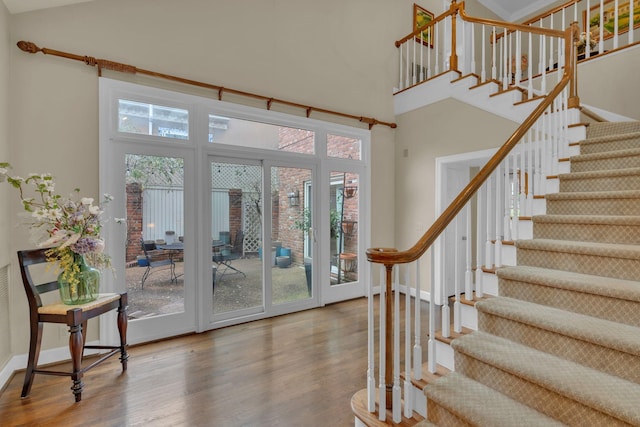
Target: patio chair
[[153, 261], [227, 254]]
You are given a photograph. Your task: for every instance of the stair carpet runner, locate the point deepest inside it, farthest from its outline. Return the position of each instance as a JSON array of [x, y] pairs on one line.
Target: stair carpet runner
[[561, 344]]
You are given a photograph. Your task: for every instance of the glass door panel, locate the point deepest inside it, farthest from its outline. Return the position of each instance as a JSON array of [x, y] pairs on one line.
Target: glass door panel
[[343, 226], [291, 233], [154, 252], [237, 270]]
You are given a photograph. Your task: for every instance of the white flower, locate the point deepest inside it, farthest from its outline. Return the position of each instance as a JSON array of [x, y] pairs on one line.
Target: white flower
[[94, 210], [57, 237], [86, 200], [120, 220]]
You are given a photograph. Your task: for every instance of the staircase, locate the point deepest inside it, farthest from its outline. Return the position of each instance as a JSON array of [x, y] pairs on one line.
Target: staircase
[[561, 344]]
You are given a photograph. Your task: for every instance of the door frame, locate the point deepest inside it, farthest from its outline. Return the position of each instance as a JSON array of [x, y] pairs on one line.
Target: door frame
[[196, 151]]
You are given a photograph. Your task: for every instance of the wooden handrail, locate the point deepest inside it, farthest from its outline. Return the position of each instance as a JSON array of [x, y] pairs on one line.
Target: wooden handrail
[[391, 256], [550, 12], [512, 27], [126, 68], [452, 10]]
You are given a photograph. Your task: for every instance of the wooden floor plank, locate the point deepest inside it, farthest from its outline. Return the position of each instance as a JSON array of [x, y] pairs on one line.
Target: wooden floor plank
[[299, 369]]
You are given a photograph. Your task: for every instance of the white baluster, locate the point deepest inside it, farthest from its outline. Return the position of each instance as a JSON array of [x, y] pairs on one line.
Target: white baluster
[[408, 68], [506, 206], [498, 218], [483, 73], [396, 392], [530, 68], [468, 279], [531, 174], [493, 52], [551, 61], [371, 367], [446, 315], [473, 49], [457, 325], [505, 59], [489, 207], [417, 346], [422, 77], [382, 391], [480, 230], [400, 85], [436, 40], [543, 67], [601, 35], [631, 22], [430, 35], [615, 23], [408, 401], [431, 345], [414, 75], [588, 29]]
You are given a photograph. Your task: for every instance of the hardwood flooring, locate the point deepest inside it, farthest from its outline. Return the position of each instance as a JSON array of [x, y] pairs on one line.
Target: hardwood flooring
[[296, 370]]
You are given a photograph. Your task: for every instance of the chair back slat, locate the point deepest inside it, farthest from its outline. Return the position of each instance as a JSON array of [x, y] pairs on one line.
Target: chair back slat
[[28, 258]]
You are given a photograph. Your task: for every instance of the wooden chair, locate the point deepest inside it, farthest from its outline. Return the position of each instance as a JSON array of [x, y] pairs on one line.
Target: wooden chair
[[74, 316]]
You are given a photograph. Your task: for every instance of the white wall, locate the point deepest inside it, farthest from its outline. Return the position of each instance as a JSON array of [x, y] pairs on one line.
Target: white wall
[[332, 54], [5, 253]]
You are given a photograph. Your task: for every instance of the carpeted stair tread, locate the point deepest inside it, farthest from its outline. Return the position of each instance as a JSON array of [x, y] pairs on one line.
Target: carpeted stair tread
[[605, 393], [600, 174], [618, 336], [589, 219], [481, 405], [602, 180], [586, 283], [594, 203], [606, 155], [611, 250], [620, 159], [598, 129], [588, 228], [613, 142], [601, 259], [571, 195]]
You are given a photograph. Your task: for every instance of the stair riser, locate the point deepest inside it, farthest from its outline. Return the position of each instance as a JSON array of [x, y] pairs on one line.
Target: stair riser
[[603, 307], [440, 416], [614, 362], [606, 164], [546, 401], [595, 264], [603, 233], [596, 206], [607, 183], [606, 146]]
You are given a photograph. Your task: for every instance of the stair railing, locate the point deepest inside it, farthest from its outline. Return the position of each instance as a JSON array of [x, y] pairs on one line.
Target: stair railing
[[595, 38], [504, 188]]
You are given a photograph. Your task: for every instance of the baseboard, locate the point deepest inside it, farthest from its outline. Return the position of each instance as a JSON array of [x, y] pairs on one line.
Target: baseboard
[[424, 295], [54, 355]]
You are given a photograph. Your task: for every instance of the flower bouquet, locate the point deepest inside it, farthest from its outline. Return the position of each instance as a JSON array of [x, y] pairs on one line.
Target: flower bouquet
[[70, 227]]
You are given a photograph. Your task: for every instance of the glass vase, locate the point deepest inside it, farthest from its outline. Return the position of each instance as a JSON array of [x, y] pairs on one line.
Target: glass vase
[[86, 288]]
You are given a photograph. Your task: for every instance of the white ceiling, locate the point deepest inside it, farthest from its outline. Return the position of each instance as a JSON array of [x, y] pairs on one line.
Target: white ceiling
[[17, 6], [508, 10], [515, 10]]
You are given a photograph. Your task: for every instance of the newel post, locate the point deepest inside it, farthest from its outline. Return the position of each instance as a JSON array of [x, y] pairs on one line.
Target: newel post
[[388, 367], [453, 59], [571, 52]]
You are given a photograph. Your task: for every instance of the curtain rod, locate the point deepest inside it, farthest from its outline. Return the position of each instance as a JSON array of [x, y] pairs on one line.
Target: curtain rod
[[130, 69]]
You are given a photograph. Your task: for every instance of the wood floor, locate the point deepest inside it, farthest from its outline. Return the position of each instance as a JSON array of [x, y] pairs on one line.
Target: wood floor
[[296, 370]]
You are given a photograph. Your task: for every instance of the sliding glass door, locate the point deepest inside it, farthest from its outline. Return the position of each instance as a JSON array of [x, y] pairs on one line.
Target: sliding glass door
[[260, 216]]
